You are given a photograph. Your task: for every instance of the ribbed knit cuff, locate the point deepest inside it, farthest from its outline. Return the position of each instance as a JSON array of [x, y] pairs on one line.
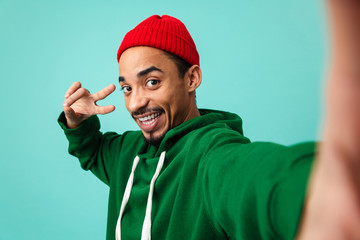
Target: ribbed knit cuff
[[86, 128]]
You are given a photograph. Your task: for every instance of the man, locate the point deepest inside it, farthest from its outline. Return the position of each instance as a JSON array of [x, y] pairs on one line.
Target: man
[[194, 174]]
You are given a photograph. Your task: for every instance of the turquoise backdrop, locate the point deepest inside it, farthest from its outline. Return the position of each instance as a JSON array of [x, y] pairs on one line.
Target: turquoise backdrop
[[263, 60]]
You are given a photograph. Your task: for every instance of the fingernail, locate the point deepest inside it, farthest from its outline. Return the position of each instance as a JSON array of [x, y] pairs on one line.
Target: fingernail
[[66, 95], [65, 104]]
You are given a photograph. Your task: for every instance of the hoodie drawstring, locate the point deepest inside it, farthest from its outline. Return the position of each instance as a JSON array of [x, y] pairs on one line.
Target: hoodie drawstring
[[126, 198], [146, 229]]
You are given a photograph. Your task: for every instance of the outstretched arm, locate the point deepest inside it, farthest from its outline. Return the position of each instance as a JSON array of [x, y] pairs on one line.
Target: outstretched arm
[[333, 205], [79, 104]]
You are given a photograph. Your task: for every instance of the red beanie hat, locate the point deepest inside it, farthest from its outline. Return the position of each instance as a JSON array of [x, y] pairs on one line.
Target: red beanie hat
[[166, 33]]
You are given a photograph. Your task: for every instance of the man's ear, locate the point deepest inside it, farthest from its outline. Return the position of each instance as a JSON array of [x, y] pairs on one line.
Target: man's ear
[[194, 77]]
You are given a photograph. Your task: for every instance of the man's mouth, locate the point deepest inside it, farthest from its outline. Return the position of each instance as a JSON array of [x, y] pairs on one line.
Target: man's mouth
[[149, 119]]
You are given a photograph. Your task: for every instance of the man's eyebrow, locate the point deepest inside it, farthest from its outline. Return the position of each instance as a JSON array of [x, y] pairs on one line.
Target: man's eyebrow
[[148, 70], [121, 79], [143, 72]]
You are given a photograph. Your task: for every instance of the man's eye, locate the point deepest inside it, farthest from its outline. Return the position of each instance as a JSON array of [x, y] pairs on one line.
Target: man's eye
[[126, 89], [152, 83]]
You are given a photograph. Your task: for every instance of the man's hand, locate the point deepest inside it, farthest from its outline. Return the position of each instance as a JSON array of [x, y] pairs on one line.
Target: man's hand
[[332, 210], [79, 104]]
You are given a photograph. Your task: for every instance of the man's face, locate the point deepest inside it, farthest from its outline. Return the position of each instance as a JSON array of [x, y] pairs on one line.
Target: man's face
[[155, 95]]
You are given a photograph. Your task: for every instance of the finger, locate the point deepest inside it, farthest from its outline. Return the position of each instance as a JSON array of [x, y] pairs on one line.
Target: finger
[[72, 120], [79, 93], [104, 109], [104, 92], [75, 86], [69, 113]]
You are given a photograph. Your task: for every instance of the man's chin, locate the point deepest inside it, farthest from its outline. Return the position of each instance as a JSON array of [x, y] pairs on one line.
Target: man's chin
[[154, 140]]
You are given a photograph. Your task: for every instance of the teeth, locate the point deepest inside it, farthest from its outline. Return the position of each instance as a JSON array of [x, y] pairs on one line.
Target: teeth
[[149, 119]]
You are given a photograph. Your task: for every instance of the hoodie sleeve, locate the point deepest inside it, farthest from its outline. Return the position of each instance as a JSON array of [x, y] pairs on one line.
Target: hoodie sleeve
[[257, 190], [95, 151]]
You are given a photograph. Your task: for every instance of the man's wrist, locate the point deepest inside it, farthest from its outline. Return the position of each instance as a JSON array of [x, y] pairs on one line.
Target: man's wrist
[[71, 125]]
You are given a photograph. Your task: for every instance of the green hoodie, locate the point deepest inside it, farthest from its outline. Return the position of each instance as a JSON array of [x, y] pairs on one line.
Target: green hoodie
[[214, 183]]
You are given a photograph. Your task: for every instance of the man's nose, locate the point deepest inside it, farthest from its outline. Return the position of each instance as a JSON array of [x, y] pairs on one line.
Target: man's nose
[[138, 100]]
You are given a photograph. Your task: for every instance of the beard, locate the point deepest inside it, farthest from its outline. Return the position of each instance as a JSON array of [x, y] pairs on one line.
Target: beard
[[152, 140]]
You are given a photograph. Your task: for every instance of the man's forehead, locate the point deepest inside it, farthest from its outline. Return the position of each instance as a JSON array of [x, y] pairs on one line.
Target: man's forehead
[[141, 60]]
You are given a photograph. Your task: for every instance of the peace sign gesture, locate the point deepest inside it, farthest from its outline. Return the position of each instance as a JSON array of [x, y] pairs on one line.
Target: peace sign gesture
[[80, 104]]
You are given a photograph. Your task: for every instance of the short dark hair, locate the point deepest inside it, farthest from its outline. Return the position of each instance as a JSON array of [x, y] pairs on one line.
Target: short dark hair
[[180, 63]]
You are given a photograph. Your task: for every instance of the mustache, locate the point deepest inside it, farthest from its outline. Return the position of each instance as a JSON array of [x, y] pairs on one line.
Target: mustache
[[146, 110]]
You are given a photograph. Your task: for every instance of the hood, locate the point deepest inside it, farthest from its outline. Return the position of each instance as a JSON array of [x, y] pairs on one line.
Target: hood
[[207, 117]]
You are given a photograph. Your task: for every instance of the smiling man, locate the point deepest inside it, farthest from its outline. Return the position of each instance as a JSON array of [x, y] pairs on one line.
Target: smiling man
[[157, 95], [188, 173]]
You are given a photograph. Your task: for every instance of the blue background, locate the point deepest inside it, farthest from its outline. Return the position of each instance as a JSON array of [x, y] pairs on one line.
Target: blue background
[[263, 60]]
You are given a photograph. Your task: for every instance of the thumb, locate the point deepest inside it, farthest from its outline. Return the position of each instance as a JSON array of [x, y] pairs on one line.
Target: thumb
[[72, 119], [69, 114]]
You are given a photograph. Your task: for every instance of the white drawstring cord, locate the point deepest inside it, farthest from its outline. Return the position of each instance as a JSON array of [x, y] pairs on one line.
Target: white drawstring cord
[[126, 198], [146, 230]]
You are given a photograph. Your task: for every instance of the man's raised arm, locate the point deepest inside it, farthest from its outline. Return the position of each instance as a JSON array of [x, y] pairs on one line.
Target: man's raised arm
[[333, 205], [86, 142]]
